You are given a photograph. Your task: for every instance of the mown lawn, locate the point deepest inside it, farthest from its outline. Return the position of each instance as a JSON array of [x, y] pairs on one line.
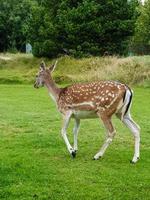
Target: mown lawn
[[34, 162]]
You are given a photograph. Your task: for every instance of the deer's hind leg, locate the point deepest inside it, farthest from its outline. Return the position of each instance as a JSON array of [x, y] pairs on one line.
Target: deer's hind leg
[[109, 137], [135, 130]]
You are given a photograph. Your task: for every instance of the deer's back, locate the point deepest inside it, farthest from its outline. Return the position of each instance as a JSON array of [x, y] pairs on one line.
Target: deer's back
[[92, 96]]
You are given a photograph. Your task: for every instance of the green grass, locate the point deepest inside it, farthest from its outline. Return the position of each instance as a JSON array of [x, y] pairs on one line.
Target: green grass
[[21, 69], [34, 162]]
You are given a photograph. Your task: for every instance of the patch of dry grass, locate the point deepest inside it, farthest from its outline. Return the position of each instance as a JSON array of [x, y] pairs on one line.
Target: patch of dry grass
[[129, 70], [21, 68]]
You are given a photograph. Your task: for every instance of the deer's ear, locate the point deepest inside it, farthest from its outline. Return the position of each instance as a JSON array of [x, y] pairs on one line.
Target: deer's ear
[[52, 68], [42, 65]]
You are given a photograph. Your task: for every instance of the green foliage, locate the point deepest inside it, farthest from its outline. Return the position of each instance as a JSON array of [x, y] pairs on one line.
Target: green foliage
[[141, 39], [42, 33], [142, 30], [35, 164], [14, 19], [91, 27], [82, 28], [78, 28]]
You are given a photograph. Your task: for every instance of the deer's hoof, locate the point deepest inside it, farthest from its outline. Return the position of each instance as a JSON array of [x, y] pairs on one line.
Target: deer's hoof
[[134, 160], [97, 158], [73, 154]]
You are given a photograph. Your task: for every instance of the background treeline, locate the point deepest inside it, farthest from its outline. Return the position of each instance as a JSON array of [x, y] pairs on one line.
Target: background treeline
[[79, 28]]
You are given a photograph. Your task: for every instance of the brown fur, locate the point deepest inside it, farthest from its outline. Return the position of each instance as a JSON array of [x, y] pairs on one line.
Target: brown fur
[[101, 94]]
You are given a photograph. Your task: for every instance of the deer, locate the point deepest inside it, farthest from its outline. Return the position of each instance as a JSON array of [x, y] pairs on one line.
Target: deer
[[101, 99]]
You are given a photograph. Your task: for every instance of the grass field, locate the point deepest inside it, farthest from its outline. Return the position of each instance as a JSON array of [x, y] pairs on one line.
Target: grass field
[[34, 162]]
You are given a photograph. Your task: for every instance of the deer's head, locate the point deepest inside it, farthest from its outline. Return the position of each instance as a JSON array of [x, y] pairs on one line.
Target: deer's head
[[44, 74]]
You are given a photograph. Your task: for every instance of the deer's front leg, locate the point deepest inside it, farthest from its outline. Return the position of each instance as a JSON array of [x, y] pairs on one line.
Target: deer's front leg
[[66, 120], [75, 132]]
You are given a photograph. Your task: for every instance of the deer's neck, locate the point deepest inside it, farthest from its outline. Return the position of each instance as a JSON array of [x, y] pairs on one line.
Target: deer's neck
[[53, 90]]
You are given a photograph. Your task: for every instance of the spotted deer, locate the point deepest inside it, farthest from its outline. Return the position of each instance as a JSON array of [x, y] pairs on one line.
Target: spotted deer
[[100, 99]]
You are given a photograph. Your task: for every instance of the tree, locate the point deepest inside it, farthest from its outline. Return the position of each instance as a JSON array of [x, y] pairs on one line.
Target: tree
[[42, 32], [78, 28], [82, 27], [141, 39], [95, 27], [14, 17]]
